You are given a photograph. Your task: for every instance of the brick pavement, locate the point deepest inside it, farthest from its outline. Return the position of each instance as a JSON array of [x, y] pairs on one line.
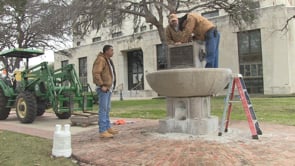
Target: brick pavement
[[140, 144]]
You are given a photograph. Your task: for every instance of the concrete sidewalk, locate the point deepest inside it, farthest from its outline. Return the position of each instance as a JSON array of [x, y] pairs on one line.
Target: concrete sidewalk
[[139, 143], [43, 126]]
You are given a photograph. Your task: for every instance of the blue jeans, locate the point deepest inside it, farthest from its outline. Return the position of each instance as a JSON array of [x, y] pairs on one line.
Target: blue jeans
[[212, 44], [104, 110]]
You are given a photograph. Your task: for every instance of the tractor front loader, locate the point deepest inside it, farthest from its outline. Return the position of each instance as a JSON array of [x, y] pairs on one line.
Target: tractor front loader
[[36, 89]]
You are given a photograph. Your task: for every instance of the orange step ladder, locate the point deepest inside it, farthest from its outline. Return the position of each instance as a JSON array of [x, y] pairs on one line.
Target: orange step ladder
[[238, 82]]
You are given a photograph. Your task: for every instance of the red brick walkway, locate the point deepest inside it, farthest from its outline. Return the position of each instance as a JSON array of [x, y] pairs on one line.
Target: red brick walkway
[[140, 144]]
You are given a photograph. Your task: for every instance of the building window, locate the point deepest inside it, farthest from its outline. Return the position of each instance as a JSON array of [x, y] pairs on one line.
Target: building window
[[250, 60], [64, 63], [77, 28], [96, 39], [162, 51], [116, 18], [143, 28], [135, 29], [255, 5], [209, 14], [117, 34], [151, 26], [135, 70], [83, 71]]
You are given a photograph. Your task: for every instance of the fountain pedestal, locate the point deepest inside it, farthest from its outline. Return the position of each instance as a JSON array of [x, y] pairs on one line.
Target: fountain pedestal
[[189, 115], [188, 88], [188, 94]]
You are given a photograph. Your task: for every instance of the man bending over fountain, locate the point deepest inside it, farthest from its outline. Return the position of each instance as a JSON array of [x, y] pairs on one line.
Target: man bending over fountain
[[193, 26]]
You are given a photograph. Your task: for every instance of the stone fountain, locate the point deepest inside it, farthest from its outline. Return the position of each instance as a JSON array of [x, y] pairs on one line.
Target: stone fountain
[[188, 89]]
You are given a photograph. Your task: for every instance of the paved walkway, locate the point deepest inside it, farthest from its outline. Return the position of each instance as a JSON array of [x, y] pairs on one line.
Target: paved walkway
[[43, 126], [138, 143]]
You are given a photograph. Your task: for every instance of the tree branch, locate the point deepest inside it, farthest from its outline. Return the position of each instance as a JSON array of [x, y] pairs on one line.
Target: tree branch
[[287, 23]]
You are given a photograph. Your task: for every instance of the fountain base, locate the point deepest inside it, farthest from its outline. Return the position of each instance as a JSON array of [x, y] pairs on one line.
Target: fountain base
[[189, 115]]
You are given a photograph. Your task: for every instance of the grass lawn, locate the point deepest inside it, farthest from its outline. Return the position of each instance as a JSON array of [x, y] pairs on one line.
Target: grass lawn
[[19, 150], [146, 109], [279, 110]]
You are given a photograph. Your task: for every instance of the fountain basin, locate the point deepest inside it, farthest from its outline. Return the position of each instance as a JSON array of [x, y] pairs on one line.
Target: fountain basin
[[189, 82]]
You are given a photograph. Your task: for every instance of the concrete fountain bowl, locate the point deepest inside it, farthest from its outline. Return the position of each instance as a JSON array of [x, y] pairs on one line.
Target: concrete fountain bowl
[[189, 82]]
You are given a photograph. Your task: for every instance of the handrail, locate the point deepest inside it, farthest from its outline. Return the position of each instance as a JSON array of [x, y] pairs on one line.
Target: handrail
[[139, 83]]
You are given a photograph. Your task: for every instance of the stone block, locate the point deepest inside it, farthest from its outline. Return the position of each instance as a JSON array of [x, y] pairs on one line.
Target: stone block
[[203, 126], [84, 120], [191, 126], [186, 55], [188, 107], [189, 115]]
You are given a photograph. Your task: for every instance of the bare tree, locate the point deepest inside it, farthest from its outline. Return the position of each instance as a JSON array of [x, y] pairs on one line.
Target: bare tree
[[94, 12], [33, 24], [287, 23]]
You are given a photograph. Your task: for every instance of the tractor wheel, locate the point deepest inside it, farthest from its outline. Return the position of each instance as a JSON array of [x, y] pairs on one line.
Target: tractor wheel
[[26, 107], [41, 108], [4, 112], [65, 115]]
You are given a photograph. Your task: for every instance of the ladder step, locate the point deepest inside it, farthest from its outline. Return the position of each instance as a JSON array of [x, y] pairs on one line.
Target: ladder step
[[234, 101]]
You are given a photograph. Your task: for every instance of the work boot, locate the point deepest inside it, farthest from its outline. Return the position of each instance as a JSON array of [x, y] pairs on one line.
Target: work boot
[[106, 134], [113, 131]]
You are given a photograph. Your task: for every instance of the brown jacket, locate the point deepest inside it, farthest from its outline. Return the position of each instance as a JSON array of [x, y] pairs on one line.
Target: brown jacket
[[102, 73], [172, 36], [196, 24]]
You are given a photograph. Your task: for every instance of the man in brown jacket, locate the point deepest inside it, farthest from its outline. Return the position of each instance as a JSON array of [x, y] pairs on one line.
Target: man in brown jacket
[[202, 29], [104, 76], [173, 34]]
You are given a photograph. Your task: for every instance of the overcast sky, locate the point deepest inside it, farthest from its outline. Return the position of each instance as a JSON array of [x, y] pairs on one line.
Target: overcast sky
[[48, 57]]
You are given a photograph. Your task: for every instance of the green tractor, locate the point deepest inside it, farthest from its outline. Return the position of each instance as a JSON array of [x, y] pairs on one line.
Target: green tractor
[[38, 88]]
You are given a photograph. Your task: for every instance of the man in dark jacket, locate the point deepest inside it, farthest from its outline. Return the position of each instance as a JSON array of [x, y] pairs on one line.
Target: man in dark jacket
[[104, 76]]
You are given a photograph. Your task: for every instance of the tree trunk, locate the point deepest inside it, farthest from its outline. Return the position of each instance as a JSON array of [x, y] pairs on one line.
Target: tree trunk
[[10, 67], [4, 61], [162, 35]]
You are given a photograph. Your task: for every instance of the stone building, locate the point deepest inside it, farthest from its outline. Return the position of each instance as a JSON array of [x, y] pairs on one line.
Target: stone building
[[263, 53]]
